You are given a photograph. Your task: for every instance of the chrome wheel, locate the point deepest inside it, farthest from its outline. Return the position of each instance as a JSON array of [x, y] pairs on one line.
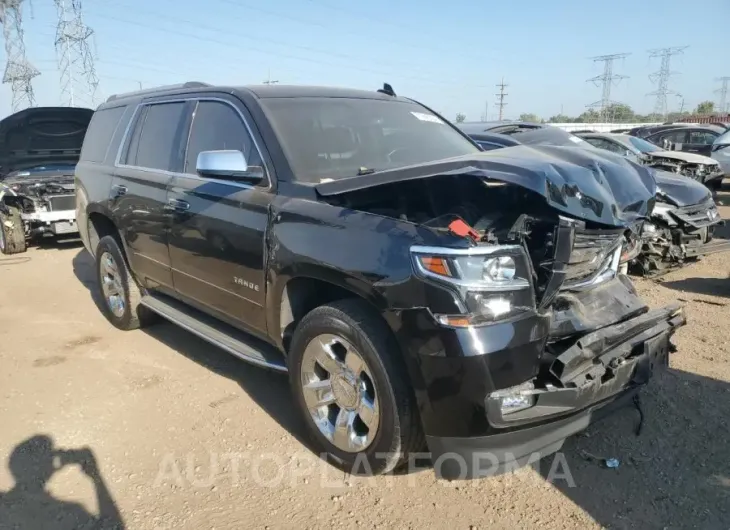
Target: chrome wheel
[[111, 284], [340, 393]]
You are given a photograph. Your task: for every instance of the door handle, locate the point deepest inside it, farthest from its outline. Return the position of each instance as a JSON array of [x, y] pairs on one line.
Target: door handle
[[118, 190], [177, 205]]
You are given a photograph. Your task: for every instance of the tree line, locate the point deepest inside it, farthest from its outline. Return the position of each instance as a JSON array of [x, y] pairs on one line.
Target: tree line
[[616, 113]]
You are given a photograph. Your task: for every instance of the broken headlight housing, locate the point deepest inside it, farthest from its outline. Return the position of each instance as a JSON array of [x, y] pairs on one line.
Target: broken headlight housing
[[490, 282]]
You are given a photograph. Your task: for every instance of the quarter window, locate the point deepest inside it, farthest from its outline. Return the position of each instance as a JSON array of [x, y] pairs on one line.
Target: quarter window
[[99, 134], [217, 126]]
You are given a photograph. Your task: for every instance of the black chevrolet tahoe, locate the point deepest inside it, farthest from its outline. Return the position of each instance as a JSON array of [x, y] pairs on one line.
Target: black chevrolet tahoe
[[416, 289]]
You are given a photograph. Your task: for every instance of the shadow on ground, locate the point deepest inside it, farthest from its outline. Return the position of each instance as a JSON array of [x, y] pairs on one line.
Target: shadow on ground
[[269, 389], [708, 286], [29, 504], [675, 474]]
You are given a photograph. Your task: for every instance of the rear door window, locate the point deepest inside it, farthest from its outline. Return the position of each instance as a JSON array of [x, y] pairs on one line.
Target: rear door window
[[701, 137], [99, 134], [154, 142]]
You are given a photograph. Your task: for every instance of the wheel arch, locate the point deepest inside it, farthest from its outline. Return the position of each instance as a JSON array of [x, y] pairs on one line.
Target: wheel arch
[[298, 295]]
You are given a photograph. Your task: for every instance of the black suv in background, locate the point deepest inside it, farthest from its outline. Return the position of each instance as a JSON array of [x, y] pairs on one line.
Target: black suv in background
[[415, 288]]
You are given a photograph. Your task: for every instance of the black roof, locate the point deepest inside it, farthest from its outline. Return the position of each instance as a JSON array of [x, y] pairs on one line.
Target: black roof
[[261, 91]]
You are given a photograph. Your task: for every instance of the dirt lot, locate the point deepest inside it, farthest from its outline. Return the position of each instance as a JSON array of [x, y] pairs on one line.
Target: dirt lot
[[185, 436]]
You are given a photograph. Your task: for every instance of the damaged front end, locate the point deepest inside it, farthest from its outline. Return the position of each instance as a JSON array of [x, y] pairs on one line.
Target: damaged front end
[[546, 328], [699, 168], [46, 204], [681, 228]]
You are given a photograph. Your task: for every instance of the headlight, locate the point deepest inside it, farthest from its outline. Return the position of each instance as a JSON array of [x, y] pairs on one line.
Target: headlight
[[491, 282], [662, 210]]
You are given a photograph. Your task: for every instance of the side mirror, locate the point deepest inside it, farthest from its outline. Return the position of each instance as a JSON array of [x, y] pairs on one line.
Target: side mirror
[[228, 165]]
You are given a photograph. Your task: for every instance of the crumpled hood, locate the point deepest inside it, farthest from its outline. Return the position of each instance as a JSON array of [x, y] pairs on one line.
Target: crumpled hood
[[681, 190], [691, 158], [586, 184]]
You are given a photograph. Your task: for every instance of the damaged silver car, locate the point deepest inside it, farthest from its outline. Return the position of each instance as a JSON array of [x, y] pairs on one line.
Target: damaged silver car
[[701, 168], [39, 149]]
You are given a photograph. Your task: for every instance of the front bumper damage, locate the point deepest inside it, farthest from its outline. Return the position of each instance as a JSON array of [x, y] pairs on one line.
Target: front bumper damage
[[679, 235], [596, 373]]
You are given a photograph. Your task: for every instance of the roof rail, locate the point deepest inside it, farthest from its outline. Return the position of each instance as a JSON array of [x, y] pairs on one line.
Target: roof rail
[[147, 91]]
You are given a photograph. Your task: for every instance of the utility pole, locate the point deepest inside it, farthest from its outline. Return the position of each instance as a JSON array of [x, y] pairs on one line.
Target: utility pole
[[606, 81], [269, 81], [18, 71], [723, 91], [501, 104], [485, 116], [75, 59], [661, 78]]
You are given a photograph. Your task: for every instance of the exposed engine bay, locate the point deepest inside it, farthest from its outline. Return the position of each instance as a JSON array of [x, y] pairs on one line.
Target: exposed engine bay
[[697, 171], [676, 235], [567, 255], [44, 204]]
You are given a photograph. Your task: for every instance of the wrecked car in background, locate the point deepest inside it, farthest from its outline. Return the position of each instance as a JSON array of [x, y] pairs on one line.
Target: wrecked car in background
[[39, 148], [415, 288], [682, 222], [701, 168]]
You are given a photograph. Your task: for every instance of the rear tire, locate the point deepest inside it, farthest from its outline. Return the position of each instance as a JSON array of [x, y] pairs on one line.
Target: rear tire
[[120, 295], [350, 333], [12, 233]]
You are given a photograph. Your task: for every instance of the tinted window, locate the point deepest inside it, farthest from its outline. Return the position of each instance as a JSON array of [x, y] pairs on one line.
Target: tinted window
[[701, 137], [99, 134], [332, 138], [218, 126], [153, 144], [677, 137]]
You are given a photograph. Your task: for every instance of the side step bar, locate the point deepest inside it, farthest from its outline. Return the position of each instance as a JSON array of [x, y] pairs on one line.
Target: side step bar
[[217, 333]]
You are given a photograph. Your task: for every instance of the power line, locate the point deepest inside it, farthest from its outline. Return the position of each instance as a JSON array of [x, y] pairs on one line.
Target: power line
[[75, 60], [501, 95], [723, 91], [661, 78], [351, 60], [606, 80], [270, 81], [19, 73]]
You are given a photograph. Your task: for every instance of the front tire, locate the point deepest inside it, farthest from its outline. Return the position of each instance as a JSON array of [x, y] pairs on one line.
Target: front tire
[[350, 383], [119, 292], [12, 233]]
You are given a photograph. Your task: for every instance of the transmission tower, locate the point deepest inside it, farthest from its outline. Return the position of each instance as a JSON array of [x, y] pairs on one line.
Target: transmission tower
[[723, 90], [18, 71], [661, 78], [75, 60], [500, 103], [606, 80]]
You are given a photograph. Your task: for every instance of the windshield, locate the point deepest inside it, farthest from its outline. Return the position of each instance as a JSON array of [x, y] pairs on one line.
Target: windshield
[[643, 145], [723, 139], [548, 136], [333, 138]]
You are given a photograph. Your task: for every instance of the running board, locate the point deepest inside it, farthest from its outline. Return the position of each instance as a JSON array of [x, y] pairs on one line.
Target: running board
[[217, 333]]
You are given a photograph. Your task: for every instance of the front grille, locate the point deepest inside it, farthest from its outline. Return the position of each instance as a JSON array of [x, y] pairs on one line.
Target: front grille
[[61, 203], [698, 215], [592, 254]]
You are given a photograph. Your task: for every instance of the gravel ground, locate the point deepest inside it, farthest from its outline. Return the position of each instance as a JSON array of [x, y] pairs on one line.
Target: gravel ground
[[184, 436]]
